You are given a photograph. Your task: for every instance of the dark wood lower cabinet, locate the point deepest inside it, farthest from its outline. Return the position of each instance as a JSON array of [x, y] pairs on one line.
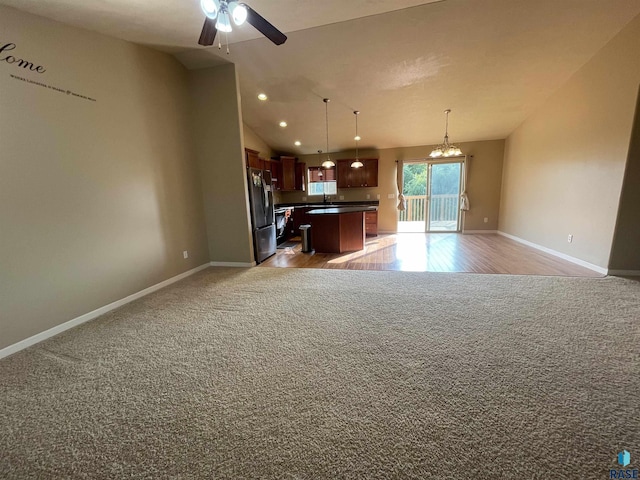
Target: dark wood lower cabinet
[[371, 223], [299, 216], [337, 233]]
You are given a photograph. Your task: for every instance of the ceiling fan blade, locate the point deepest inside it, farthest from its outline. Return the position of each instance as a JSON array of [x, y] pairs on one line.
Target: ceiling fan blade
[[208, 34], [264, 27]]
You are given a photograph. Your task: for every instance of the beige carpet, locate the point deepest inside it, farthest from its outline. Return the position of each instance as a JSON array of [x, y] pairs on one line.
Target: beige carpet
[[317, 374]]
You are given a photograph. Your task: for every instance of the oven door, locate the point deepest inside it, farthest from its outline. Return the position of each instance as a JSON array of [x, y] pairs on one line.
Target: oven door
[[282, 218]]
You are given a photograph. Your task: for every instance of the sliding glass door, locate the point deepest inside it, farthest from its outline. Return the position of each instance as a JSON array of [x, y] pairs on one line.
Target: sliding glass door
[[432, 192]]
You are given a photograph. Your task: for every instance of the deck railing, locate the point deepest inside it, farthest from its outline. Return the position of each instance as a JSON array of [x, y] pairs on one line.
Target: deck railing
[[443, 208]]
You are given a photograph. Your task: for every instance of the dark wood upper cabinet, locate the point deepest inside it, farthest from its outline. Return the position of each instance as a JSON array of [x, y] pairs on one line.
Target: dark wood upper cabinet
[[366, 176], [276, 174], [288, 173], [345, 174], [253, 159], [300, 180], [370, 172]]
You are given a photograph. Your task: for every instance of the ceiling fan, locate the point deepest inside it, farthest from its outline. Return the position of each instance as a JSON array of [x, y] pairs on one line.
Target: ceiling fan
[[219, 14]]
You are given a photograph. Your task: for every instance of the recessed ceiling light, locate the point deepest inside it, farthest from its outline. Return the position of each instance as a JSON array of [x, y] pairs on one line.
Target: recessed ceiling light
[[357, 138], [297, 143], [283, 124], [262, 96]]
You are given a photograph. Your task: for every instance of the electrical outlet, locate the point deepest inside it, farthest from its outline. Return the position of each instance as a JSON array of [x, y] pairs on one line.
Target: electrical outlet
[[391, 195], [486, 219], [341, 197], [378, 196], [185, 254], [368, 196], [570, 238], [304, 199]]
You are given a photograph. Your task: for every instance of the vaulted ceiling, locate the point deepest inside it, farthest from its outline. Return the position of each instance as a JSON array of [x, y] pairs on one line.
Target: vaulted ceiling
[[401, 63]]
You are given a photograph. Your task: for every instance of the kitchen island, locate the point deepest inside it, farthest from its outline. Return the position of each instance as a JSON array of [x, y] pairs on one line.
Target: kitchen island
[[338, 229]]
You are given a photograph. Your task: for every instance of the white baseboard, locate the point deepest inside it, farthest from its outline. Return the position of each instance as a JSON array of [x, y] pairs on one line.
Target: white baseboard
[[27, 342], [555, 253], [478, 232], [233, 264], [625, 273]]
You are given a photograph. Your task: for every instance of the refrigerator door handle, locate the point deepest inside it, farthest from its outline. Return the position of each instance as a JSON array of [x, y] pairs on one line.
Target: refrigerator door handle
[[266, 195]]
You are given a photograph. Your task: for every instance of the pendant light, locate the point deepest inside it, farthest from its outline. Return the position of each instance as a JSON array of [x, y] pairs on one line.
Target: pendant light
[[357, 163], [320, 170], [327, 163], [446, 149]]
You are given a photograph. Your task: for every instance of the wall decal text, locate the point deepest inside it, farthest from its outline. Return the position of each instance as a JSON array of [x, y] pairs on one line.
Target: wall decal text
[[18, 62], [53, 87]]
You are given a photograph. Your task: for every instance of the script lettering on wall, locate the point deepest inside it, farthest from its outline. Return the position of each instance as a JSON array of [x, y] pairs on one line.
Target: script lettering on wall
[[26, 66], [19, 62]]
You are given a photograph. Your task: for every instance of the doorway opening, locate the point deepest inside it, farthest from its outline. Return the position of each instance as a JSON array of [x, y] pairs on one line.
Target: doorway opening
[[432, 193]]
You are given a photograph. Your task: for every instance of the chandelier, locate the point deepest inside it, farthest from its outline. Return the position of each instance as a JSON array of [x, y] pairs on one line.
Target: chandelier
[[446, 149]]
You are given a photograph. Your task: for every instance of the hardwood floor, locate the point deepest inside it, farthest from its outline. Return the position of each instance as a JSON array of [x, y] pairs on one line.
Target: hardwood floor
[[436, 252]]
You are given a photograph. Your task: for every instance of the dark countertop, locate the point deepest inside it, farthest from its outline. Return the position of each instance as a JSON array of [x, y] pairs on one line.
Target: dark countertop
[[339, 210], [373, 203]]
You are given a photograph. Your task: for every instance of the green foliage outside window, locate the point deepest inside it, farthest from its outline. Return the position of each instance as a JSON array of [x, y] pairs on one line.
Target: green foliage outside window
[[446, 179]]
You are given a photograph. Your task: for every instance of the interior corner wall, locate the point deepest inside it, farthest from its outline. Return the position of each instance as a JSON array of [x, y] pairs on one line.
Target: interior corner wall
[[99, 189], [254, 142], [625, 254], [564, 165], [218, 129]]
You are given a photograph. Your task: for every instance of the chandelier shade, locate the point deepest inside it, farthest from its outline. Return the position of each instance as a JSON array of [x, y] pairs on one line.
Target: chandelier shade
[[446, 149]]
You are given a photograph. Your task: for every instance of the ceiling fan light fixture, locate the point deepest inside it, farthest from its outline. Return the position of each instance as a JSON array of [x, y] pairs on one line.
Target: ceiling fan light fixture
[[210, 8], [238, 12], [446, 149], [223, 24]]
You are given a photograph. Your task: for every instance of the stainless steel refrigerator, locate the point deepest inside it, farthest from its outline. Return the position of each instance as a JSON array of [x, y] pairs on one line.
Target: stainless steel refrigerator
[[262, 216]]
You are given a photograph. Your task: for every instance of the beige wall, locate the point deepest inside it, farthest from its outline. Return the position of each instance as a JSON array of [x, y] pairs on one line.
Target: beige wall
[[625, 254], [564, 165], [485, 174], [219, 144], [254, 142], [97, 199]]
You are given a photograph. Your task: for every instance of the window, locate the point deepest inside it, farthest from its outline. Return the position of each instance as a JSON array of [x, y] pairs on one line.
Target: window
[[322, 182]]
